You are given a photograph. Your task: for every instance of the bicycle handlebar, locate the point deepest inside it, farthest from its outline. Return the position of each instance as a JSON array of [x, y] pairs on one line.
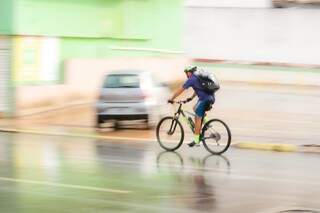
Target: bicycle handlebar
[[178, 102]]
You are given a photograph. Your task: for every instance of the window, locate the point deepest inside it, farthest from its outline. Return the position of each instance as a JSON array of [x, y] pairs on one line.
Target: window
[[122, 81]]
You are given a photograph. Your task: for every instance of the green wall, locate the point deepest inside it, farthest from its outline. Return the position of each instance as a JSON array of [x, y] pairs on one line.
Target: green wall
[[6, 17], [140, 23], [155, 24], [75, 18], [98, 28]]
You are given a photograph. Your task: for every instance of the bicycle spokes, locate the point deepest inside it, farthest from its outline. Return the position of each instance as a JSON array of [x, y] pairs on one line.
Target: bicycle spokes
[[173, 127], [170, 133], [217, 136]]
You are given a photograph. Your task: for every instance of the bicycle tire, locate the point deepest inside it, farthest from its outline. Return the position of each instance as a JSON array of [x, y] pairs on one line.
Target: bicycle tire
[[208, 126], [158, 131]]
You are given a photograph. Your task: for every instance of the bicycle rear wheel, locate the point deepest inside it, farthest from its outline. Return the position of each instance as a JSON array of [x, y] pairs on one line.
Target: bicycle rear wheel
[[216, 136], [170, 133]]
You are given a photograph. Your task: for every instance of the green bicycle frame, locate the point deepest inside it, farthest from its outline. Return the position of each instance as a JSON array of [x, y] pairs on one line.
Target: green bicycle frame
[[176, 117], [185, 118]]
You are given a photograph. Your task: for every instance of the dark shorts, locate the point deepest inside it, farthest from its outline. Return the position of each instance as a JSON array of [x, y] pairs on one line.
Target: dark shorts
[[203, 106]]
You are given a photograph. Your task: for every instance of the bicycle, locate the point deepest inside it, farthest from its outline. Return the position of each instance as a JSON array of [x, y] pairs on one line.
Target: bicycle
[[170, 132]]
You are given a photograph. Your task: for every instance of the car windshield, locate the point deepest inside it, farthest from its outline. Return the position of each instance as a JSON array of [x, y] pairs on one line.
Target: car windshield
[[122, 81]]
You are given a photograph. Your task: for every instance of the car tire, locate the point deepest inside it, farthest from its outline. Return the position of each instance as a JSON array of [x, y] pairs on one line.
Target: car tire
[[116, 125], [150, 126], [152, 120], [99, 121], [278, 4]]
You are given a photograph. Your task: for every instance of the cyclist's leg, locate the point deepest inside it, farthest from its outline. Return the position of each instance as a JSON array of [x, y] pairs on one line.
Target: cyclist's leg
[[198, 118], [197, 129], [205, 118], [208, 107], [199, 111]]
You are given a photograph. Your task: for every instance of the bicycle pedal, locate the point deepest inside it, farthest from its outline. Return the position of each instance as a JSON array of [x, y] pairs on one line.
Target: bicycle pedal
[[193, 144]]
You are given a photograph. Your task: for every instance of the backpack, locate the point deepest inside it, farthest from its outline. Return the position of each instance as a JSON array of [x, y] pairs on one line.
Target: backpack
[[208, 81]]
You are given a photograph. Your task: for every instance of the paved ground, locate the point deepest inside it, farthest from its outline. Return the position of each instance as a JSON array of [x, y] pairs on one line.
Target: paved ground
[[62, 174], [127, 171]]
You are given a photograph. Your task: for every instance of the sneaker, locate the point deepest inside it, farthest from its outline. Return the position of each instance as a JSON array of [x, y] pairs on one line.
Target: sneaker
[[192, 144]]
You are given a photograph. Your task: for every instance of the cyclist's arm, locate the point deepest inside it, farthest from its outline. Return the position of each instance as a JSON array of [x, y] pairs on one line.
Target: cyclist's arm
[[194, 95], [177, 93]]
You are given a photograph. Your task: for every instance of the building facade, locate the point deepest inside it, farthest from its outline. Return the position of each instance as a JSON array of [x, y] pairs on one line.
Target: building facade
[[38, 38]]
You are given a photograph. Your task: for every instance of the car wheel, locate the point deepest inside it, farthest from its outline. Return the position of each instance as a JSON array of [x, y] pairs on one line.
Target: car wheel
[[99, 121], [150, 125], [278, 4], [152, 120], [116, 125]]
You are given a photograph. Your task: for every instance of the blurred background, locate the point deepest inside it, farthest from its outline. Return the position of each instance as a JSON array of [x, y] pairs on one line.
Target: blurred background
[[57, 54], [73, 71]]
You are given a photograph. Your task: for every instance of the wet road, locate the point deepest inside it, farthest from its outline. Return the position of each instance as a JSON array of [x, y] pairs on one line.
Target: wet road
[[64, 174]]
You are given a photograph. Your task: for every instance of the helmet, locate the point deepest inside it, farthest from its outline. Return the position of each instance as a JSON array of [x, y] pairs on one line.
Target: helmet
[[190, 69]]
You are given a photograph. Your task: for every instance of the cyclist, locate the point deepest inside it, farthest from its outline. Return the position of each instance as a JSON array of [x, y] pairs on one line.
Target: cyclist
[[206, 100]]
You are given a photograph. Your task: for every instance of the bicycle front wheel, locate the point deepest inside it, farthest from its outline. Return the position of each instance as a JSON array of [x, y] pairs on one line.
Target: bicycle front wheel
[[170, 133], [216, 136]]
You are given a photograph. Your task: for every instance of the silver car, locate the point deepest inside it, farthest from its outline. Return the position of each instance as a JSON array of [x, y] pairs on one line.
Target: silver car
[[287, 3], [132, 95]]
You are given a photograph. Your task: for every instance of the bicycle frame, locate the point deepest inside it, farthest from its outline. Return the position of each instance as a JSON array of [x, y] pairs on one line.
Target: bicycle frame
[[185, 118], [177, 116]]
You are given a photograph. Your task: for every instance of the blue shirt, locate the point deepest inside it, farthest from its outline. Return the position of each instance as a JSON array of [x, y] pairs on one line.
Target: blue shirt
[[194, 82]]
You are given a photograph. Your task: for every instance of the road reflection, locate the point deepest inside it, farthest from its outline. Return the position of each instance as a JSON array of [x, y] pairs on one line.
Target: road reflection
[[171, 161], [192, 171]]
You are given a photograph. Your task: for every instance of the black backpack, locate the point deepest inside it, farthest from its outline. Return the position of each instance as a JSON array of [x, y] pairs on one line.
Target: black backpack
[[207, 83]]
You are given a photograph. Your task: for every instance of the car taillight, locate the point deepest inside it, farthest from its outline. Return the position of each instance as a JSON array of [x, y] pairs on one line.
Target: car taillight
[[144, 95], [148, 96]]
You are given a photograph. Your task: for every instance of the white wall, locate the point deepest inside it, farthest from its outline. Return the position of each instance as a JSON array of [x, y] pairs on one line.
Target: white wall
[[230, 3], [86, 75], [289, 35], [83, 79]]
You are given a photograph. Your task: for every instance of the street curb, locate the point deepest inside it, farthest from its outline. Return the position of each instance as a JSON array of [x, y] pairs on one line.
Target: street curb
[[267, 146], [91, 136]]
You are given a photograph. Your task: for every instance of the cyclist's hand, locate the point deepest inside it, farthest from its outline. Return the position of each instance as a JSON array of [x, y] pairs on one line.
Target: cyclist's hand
[[188, 100], [170, 101]]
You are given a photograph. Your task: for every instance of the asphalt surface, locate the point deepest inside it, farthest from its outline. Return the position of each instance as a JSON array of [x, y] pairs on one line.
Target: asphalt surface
[[68, 174]]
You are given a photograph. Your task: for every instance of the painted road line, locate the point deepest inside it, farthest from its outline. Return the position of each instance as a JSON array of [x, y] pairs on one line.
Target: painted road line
[[267, 146], [64, 185]]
